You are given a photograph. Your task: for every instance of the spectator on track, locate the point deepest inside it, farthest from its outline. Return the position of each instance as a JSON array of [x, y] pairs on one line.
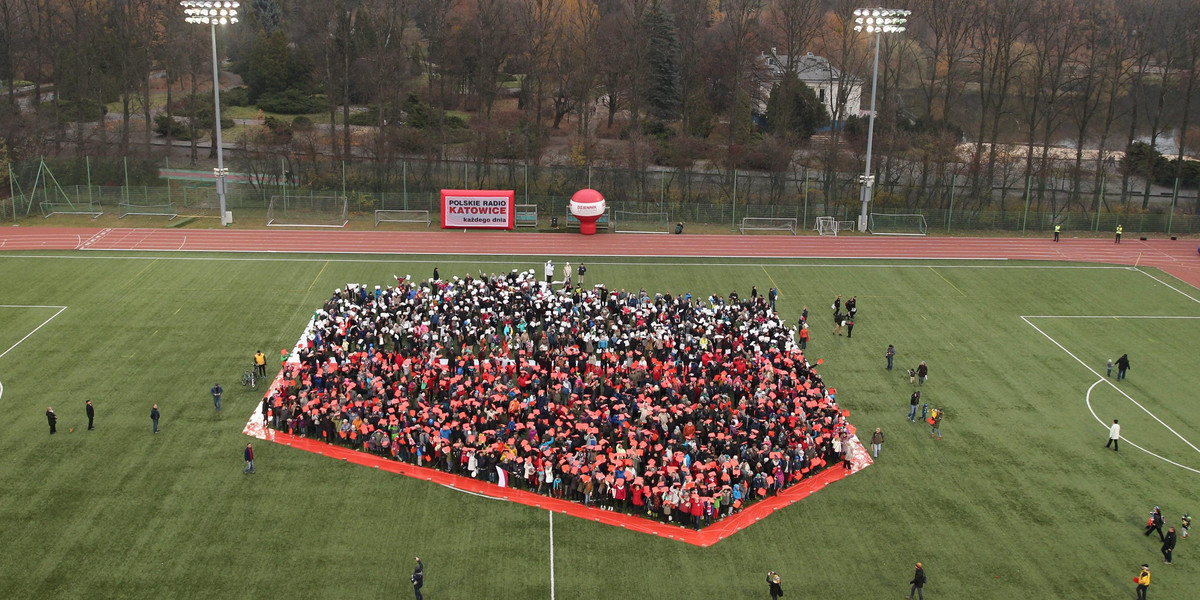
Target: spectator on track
[[678, 398]]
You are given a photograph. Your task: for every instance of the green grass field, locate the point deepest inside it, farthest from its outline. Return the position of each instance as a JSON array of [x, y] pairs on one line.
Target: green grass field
[[1019, 500]]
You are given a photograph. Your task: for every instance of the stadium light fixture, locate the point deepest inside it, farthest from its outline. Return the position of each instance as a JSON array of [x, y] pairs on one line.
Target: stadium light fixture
[[875, 21], [213, 13]]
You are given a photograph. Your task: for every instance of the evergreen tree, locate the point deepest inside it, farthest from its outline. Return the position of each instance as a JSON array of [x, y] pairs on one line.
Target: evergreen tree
[[793, 110], [663, 89]]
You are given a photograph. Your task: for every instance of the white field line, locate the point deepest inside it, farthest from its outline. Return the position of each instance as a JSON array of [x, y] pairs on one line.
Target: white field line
[[35, 329], [551, 554], [434, 259], [476, 494], [1088, 399], [1169, 285], [1113, 385], [1, 389]]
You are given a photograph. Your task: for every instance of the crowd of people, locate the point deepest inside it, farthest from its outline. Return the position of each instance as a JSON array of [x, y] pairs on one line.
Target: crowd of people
[[679, 408]]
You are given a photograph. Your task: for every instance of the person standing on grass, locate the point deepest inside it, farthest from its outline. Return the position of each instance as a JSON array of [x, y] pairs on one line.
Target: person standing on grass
[[837, 304], [582, 271], [549, 270], [436, 275], [53, 419], [937, 423], [1168, 545], [849, 328], [91, 413], [154, 417], [260, 363], [913, 402], [922, 373], [567, 275], [772, 295], [1110, 366], [418, 578], [803, 335], [1122, 366], [216, 394], [918, 583], [852, 306], [1143, 581], [1120, 230], [1155, 524], [876, 441], [1185, 524], [773, 584], [838, 321], [1114, 436], [249, 456], [804, 315], [890, 354]]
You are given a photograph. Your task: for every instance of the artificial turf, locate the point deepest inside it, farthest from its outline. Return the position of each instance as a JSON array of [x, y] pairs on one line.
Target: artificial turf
[[1018, 500]]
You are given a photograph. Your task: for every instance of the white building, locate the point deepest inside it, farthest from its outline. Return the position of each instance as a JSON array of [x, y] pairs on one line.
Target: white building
[[823, 78]]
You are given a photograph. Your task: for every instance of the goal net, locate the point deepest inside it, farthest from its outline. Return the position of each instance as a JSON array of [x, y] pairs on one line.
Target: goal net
[[147, 204], [403, 216], [308, 211], [768, 224], [826, 226], [626, 221], [899, 224]]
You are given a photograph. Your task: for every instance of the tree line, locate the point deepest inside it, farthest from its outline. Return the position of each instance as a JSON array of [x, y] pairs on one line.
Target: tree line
[[1015, 95]]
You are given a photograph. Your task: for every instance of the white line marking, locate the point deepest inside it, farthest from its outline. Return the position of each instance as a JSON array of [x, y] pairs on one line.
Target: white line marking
[[1114, 386], [1, 389], [35, 329], [1088, 399], [1108, 317], [1168, 285], [450, 487], [683, 262], [551, 554]]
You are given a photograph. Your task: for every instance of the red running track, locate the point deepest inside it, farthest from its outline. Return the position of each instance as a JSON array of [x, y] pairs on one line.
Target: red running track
[[1178, 258]]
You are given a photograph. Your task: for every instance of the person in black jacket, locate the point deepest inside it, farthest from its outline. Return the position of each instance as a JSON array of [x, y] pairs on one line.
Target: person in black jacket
[[1168, 545], [418, 578], [1156, 523], [91, 413], [52, 418], [918, 583], [1122, 366], [773, 581], [154, 417]]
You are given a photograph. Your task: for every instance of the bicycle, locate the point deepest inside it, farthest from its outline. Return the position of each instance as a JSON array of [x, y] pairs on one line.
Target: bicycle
[[250, 380]]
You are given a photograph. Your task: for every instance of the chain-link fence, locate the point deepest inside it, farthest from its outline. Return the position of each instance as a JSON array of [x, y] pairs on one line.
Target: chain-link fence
[[950, 203]]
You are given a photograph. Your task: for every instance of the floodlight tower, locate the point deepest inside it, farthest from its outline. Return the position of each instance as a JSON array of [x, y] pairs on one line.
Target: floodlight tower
[[877, 21], [213, 13]]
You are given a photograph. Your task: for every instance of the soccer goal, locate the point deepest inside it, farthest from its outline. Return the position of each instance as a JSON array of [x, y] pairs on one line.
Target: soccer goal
[[826, 226], [768, 224], [902, 224], [308, 211], [625, 221], [403, 216], [147, 208]]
